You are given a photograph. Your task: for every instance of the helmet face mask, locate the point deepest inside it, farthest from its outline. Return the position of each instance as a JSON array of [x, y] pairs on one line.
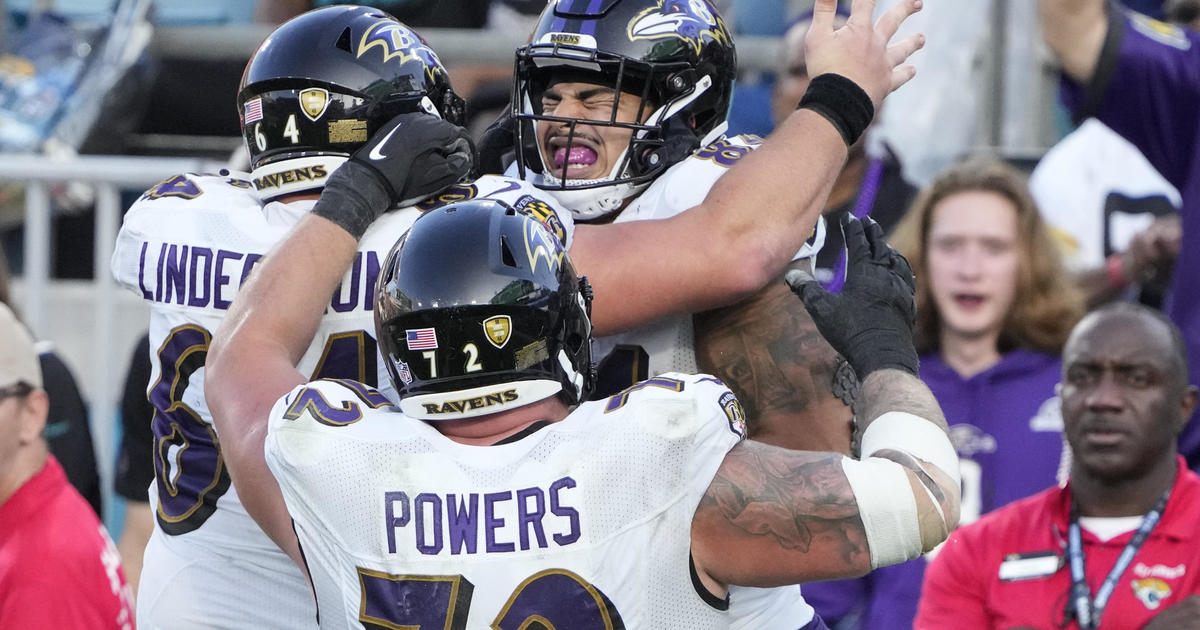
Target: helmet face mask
[[322, 83], [478, 310], [676, 55]]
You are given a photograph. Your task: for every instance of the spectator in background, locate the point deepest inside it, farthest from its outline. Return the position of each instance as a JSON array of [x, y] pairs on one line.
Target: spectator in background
[[1131, 510], [1116, 217], [993, 311], [1142, 78], [135, 463], [426, 13], [67, 430], [58, 567]]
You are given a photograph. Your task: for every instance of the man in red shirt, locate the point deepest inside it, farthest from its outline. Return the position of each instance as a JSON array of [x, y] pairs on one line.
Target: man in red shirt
[[1119, 546], [58, 567]]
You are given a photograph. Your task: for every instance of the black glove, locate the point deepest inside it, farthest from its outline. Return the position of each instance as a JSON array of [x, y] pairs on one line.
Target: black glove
[[413, 156], [496, 144], [871, 321]]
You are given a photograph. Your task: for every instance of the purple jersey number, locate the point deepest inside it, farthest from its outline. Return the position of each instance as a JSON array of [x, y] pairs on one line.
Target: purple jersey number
[[188, 466], [187, 461], [554, 598]]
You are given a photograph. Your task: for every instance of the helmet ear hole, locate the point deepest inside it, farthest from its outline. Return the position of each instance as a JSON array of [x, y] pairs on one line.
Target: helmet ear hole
[[343, 42], [574, 342], [506, 255]]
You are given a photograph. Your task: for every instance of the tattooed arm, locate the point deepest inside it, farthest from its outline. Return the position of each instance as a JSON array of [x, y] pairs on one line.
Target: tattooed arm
[[772, 516], [768, 351]]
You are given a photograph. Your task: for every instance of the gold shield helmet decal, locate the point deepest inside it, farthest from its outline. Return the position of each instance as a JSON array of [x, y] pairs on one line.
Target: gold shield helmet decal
[[498, 329], [314, 102]]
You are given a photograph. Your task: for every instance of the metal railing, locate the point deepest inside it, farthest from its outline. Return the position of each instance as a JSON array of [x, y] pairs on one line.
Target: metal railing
[[454, 46], [108, 176]]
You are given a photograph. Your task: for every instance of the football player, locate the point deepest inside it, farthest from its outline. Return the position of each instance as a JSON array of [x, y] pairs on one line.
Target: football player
[[311, 96], [619, 111], [492, 496], [313, 93]]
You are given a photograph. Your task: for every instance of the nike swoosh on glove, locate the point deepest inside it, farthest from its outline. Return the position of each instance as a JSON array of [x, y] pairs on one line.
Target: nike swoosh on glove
[[417, 155], [413, 156]]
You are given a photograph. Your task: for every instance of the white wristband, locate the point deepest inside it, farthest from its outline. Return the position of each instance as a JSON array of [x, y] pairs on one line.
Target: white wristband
[[914, 435]]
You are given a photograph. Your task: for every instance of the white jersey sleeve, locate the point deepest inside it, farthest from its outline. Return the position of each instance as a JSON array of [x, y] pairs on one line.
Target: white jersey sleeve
[[594, 510], [667, 344], [186, 247]]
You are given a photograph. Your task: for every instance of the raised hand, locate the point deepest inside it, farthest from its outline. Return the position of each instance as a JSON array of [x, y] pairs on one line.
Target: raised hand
[[861, 51]]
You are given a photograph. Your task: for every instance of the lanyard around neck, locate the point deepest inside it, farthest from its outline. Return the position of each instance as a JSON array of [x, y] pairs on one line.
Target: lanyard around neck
[[1087, 610]]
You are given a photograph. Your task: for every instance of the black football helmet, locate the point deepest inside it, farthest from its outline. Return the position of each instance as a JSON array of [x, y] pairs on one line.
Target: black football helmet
[[323, 83], [676, 55], [478, 310]]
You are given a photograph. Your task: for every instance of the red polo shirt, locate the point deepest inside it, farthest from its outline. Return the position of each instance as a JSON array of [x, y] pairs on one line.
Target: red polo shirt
[[1026, 540], [58, 567]]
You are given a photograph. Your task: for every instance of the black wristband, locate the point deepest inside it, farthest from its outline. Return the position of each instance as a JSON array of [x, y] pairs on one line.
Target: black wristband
[[354, 196], [842, 102]]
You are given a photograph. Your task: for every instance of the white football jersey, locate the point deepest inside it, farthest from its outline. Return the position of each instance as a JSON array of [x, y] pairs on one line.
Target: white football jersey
[[667, 344], [585, 523], [186, 246]]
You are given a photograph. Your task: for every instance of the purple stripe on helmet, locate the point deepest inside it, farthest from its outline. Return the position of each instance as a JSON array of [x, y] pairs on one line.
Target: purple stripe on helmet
[[588, 27]]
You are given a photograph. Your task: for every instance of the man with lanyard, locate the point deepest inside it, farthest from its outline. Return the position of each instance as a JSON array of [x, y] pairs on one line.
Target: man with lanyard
[[1119, 544]]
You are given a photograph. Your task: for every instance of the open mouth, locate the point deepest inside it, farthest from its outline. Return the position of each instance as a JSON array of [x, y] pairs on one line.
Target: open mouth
[[968, 301], [577, 155]]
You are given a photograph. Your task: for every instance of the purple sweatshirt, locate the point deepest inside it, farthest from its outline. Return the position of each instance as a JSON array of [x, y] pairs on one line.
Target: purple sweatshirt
[[1006, 424]]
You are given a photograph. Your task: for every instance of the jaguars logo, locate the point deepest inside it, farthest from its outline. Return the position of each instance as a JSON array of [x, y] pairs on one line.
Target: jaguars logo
[[1151, 592], [398, 42], [1159, 31], [689, 20]]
